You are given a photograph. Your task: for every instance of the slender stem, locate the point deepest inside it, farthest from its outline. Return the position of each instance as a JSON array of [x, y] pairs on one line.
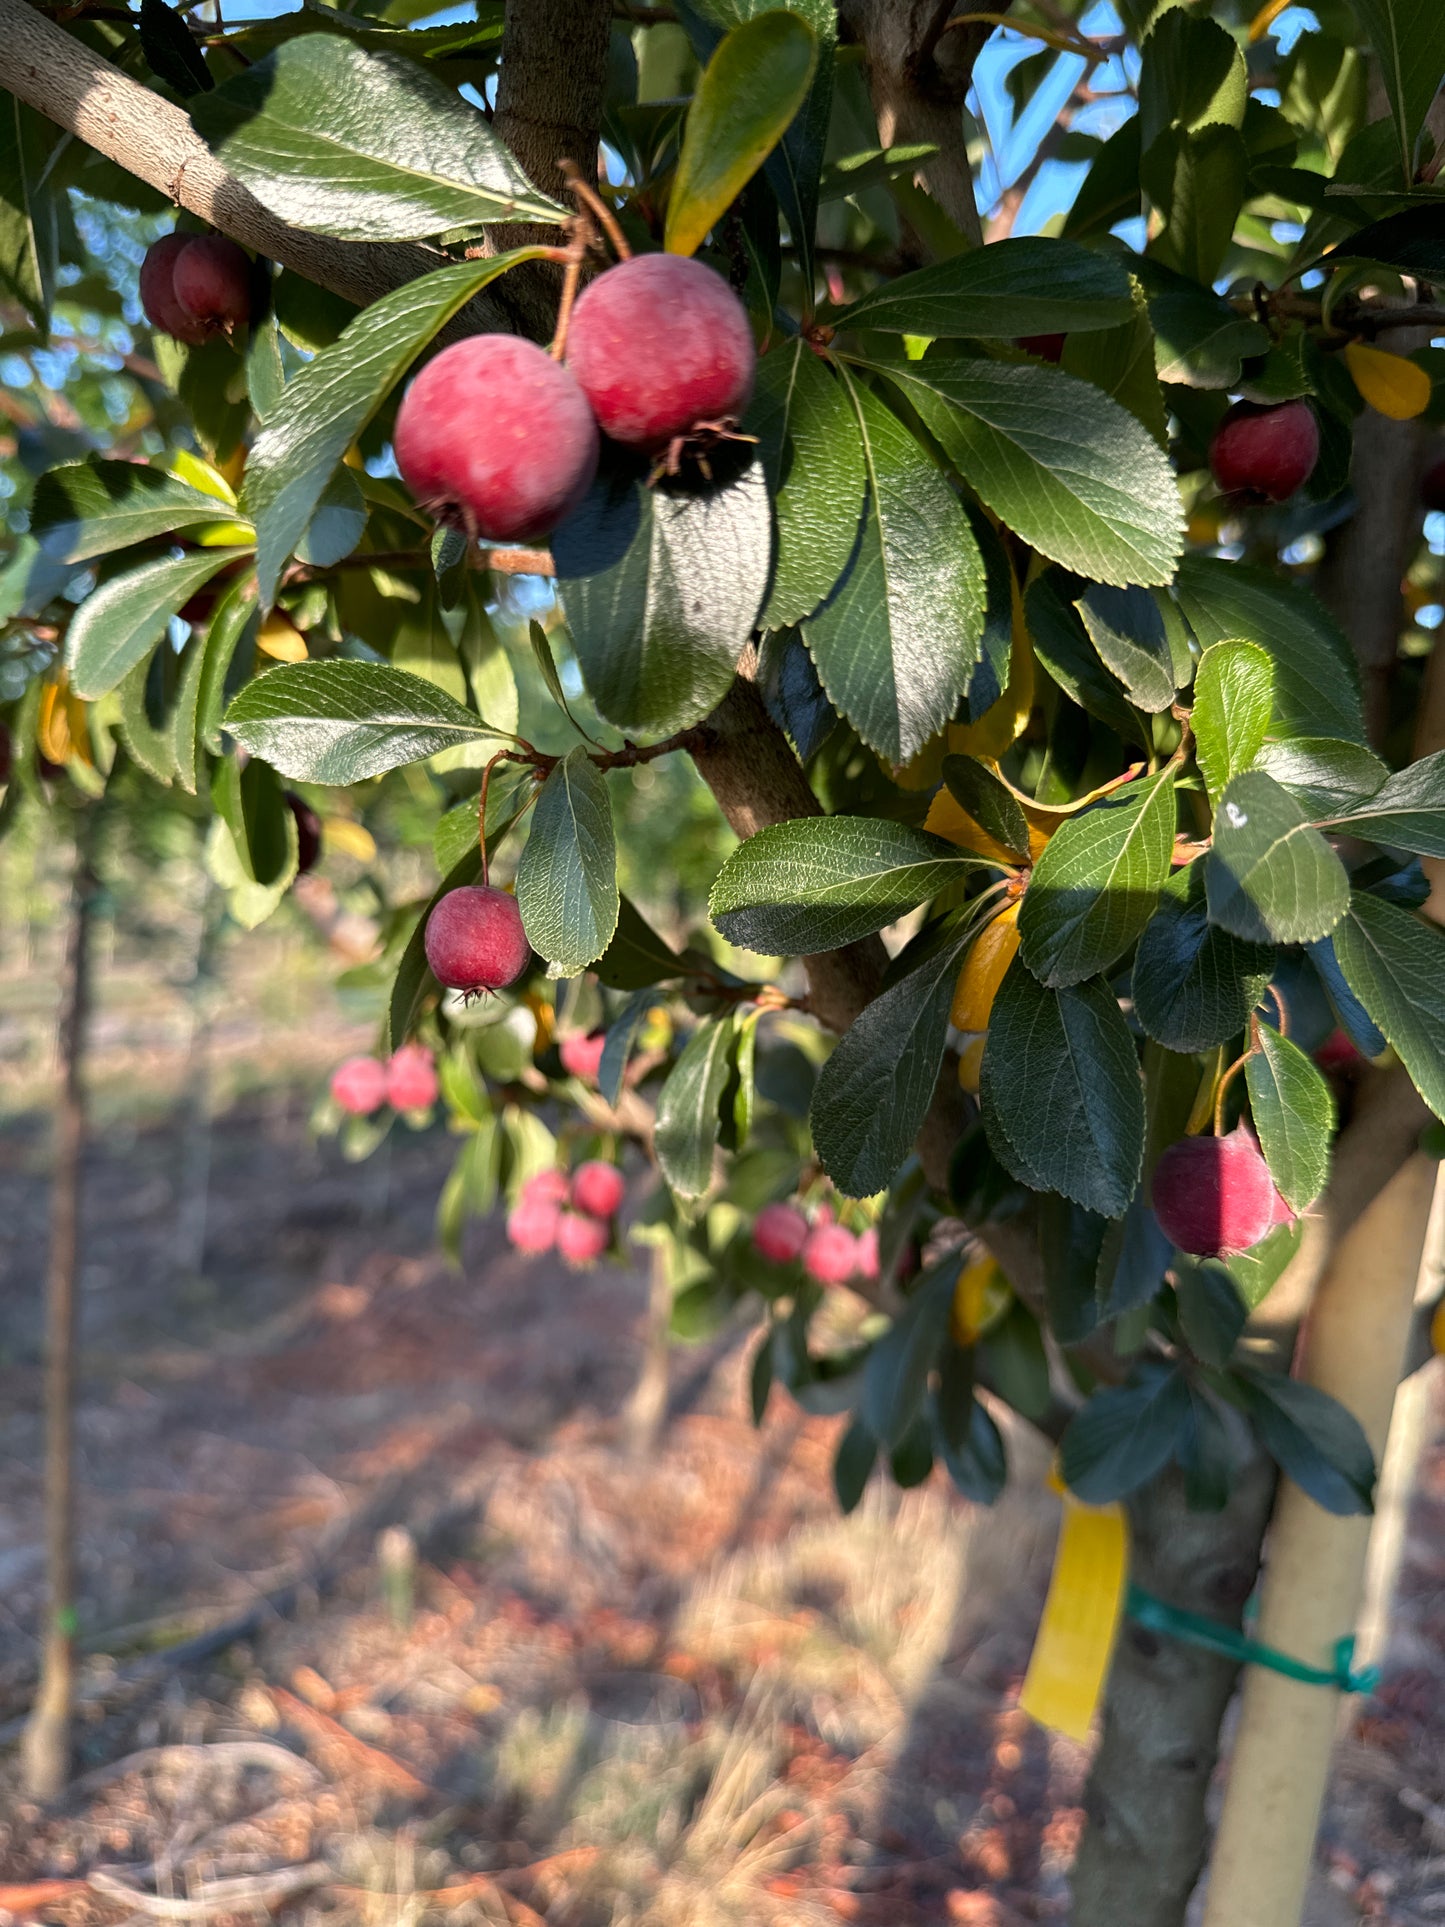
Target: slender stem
[[1065, 43], [1229, 1076], [1282, 1007], [502, 755], [588, 196]]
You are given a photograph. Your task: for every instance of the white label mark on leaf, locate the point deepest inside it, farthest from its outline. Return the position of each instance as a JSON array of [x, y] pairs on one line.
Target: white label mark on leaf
[[1236, 815]]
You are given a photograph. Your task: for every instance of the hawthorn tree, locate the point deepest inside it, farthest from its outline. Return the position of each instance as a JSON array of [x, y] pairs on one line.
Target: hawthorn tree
[[993, 607]]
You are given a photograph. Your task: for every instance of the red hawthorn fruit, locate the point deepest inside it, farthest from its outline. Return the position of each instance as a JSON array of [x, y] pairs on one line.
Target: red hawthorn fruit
[[581, 1240], [411, 1079], [157, 290], [550, 1186], [1265, 452], [582, 1054], [779, 1233], [211, 283], [359, 1085], [533, 1222], [663, 350], [475, 940], [598, 1189], [497, 439], [830, 1254], [1214, 1196]]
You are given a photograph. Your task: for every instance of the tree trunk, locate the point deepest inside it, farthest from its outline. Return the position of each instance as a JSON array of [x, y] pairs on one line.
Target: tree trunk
[[45, 1749]]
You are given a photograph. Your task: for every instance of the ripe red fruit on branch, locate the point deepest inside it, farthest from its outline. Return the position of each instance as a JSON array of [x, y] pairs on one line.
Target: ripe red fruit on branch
[[1214, 1195], [830, 1254], [582, 1054], [532, 1223], [475, 940], [211, 282], [1265, 452], [359, 1085], [496, 438], [551, 1186], [158, 293], [598, 1188], [411, 1079], [779, 1232], [662, 348], [581, 1240]]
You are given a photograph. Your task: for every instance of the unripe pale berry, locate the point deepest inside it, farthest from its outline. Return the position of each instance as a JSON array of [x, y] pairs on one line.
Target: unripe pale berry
[[581, 1240], [548, 1187], [308, 831], [411, 1079], [598, 1188], [532, 1224], [1214, 1195], [582, 1055], [359, 1085], [475, 940], [1268, 452], [158, 293], [211, 282], [830, 1254], [779, 1232], [496, 438], [662, 347]]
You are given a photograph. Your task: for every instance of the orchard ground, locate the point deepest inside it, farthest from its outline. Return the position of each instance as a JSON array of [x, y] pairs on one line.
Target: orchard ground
[[678, 1689]]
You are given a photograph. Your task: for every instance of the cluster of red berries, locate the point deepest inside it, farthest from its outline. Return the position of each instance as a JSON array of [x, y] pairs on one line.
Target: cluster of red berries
[[501, 440], [195, 285], [407, 1081], [572, 1216], [1214, 1196], [829, 1252]]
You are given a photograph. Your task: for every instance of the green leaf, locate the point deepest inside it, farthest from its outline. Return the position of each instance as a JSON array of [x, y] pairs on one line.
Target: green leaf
[[171, 53], [989, 801], [1394, 962], [688, 1118], [567, 878], [1408, 811], [1063, 1100], [1012, 1362], [1409, 38], [262, 829], [1077, 476], [965, 1436], [29, 224], [853, 1465], [813, 456], [1192, 75], [1211, 1311], [874, 1091], [895, 1376], [637, 956], [1195, 984], [1233, 702], [1096, 882], [85, 509], [855, 173], [1323, 774], [1294, 1117], [1200, 341], [339, 722], [126, 617], [1062, 645], [788, 684], [1271, 877], [1312, 1438], [327, 403], [337, 524], [817, 883], [1316, 683], [1257, 1271], [661, 588], [748, 93], [896, 640], [1198, 182], [1127, 629], [1121, 362], [365, 146], [1027, 285], [1126, 1435], [622, 1035]]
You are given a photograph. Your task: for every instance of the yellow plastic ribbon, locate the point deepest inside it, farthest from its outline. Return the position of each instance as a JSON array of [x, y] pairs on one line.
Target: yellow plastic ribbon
[[1075, 1642]]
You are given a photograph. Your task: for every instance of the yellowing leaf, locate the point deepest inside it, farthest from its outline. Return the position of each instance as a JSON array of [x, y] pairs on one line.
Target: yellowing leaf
[[980, 1299], [1391, 385], [61, 729], [1081, 1619], [351, 838], [1002, 725], [949, 819], [210, 481], [280, 638], [226, 535], [1201, 1114], [992, 951], [970, 1065]]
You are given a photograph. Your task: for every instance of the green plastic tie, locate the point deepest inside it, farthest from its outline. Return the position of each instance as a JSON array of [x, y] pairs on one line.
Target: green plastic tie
[[1193, 1629]]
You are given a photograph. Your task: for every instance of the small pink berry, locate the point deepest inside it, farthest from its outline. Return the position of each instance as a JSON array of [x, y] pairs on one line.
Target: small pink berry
[[475, 940], [867, 1254], [547, 1187], [582, 1055], [830, 1254], [359, 1085], [532, 1224], [1338, 1053], [581, 1240], [411, 1079], [779, 1233], [1214, 1195], [598, 1188]]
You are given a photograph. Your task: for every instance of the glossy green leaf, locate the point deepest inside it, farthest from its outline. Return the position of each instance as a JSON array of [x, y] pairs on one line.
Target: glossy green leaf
[[1294, 1117], [1408, 811], [818, 883], [29, 223], [853, 1464], [622, 1035], [1312, 1438], [661, 589], [637, 956], [813, 455], [1233, 702], [1325, 776], [1095, 885], [755, 82], [337, 523], [1195, 984], [365, 146], [1211, 1312], [1125, 1435], [1394, 962], [1271, 877], [1200, 341], [339, 722], [1409, 41], [1121, 362], [688, 1118], [1198, 181], [895, 1376], [171, 52], [1257, 1271], [119, 623], [1077, 476], [895, 642], [567, 878], [1062, 646], [1062, 1095], [965, 1437], [1127, 629], [328, 402], [989, 801], [1026, 285], [85, 509]]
